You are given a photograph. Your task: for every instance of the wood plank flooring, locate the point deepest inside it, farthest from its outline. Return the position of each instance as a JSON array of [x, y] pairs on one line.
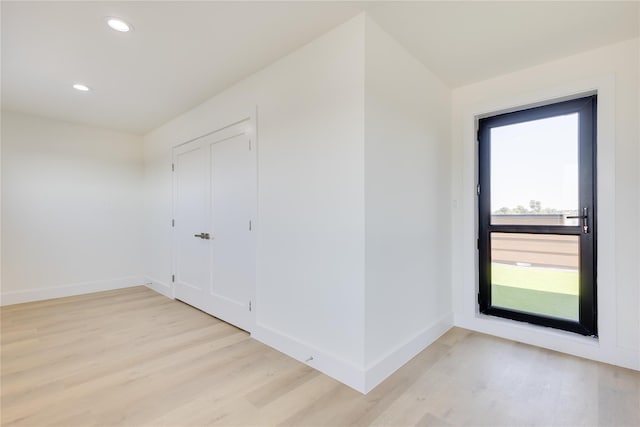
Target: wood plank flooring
[[132, 357]]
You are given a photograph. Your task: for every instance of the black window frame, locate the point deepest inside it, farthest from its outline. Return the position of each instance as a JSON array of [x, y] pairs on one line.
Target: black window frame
[[586, 107]]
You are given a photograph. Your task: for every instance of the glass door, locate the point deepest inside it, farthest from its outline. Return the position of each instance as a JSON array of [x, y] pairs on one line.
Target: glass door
[[537, 217]]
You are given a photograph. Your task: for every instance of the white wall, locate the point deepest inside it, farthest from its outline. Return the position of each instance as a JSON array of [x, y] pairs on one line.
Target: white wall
[[310, 241], [314, 174], [613, 71], [356, 242], [71, 209], [407, 140]]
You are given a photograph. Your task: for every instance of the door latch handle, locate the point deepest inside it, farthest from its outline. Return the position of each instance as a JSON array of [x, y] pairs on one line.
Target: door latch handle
[[585, 219], [204, 236]]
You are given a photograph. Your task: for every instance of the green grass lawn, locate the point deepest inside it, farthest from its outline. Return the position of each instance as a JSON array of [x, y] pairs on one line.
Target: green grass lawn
[[545, 291]]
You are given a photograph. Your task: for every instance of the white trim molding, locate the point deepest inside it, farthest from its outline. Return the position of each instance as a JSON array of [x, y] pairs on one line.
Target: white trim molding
[[39, 294], [329, 364], [159, 286], [386, 365], [362, 380]]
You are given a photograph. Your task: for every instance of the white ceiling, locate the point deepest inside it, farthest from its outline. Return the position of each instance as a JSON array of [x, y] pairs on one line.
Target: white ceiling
[[182, 53], [465, 42]]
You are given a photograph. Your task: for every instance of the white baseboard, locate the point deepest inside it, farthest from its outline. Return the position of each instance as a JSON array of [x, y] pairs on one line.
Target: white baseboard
[[628, 358], [341, 370], [38, 294], [159, 286], [386, 365], [603, 350], [362, 380]]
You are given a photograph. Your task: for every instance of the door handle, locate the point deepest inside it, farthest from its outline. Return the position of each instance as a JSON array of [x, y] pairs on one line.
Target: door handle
[[585, 219], [204, 236]]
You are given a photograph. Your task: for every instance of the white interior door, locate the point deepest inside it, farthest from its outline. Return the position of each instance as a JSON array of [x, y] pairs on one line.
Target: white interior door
[[232, 199], [215, 272], [192, 272]]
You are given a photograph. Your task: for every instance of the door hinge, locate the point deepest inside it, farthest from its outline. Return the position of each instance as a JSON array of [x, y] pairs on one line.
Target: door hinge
[[478, 189], [479, 299], [249, 305], [249, 225], [173, 277], [173, 167], [173, 222], [478, 243]]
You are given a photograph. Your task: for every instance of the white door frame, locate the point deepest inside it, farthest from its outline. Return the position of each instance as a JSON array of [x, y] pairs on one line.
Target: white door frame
[[248, 126]]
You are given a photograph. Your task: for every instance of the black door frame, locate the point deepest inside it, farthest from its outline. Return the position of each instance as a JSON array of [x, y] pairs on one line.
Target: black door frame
[[586, 107]]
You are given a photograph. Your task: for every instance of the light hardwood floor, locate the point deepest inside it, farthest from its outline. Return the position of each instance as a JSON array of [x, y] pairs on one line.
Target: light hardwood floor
[[133, 357]]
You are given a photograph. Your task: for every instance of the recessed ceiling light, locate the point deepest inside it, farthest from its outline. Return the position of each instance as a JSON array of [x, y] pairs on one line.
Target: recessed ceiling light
[[118, 25], [81, 87]]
